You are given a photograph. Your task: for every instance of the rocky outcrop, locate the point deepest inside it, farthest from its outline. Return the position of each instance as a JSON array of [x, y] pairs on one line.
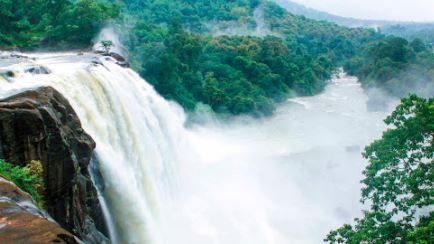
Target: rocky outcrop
[[41, 125], [22, 222], [119, 59], [37, 70]]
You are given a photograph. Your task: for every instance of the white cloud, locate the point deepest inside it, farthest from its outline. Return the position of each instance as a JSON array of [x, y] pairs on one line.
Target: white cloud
[[405, 10]]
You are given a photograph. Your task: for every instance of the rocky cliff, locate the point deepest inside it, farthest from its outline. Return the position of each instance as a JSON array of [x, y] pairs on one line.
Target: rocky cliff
[[22, 222], [41, 125]]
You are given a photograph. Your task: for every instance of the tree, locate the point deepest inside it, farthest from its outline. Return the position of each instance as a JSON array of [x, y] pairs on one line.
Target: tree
[[398, 181], [52, 23], [396, 66], [106, 45], [418, 45], [238, 74]]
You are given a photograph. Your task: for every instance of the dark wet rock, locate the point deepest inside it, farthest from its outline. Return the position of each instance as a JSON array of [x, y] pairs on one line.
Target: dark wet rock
[[22, 222], [17, 55], [41, 125], [123, 64], [117, 57], [93, 235], [7, 74], [100, 51], [37, 70], [96, 61]]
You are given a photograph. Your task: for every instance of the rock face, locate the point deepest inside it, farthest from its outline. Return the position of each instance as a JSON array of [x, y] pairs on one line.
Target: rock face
[[22, 222], [119, 59], [37, 70], [41, 125]]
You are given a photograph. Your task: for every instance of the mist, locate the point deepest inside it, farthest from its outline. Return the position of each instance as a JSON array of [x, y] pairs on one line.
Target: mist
[[398, 10], [259, 28], [290, 178], [417, 80], [112, 32]]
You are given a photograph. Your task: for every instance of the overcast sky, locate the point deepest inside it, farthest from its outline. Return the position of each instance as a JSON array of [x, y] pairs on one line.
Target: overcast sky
[[408, 10]]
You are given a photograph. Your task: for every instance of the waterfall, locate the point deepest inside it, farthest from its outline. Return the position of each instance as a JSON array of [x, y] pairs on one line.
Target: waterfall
[[289, 178], [119, 110]]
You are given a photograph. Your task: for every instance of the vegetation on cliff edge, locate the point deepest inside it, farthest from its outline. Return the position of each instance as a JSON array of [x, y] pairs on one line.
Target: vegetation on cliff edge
[[28, 178], [399, 181]]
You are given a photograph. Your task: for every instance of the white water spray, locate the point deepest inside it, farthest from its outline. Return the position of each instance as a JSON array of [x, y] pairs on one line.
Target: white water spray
[[110, 33], [285, 179], [119, 110]]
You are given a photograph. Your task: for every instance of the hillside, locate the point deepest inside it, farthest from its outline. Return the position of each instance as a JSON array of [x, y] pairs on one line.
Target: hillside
[[299, 9], [238, 57], [51, 24], [409, 30], [235, 57]]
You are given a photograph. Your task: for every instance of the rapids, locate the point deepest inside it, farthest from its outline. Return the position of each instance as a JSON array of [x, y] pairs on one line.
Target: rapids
[[285, 179]]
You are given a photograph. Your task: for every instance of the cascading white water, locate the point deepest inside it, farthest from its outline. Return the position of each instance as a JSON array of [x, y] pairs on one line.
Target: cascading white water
[[119, 110], [285, 179]]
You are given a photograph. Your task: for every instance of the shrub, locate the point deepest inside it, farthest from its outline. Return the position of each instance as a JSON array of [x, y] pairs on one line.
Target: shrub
[[28, 178]]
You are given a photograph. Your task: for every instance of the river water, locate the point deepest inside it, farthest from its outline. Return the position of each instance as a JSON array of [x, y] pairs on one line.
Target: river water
[[289, 178]]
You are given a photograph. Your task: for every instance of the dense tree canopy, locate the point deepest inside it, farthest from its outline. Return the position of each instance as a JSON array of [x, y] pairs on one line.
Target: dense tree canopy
[[236, 74], [238, 56], [399, 180], [262, 55], [60, 23], [396, 65], [423, 31]]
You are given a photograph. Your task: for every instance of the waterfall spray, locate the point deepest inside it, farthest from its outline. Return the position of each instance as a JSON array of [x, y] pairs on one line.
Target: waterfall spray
[[288, 178]]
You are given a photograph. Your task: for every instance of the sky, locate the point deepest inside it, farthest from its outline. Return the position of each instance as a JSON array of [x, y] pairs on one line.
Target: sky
[[404, 10]]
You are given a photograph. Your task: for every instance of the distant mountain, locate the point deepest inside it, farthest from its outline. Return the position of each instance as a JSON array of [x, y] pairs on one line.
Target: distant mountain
[[408, 30], [299, 9]]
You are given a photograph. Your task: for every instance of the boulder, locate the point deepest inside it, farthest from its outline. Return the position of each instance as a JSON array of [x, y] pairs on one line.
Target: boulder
[[7, 74], [18, 55], [123, 64], [41, 125], [37, 70], [96, 61], [117, 56], [119, 59], [22, 222]]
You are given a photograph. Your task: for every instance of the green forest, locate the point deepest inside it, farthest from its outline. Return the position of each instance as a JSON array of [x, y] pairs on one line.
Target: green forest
[[271, 55], [242, 57], [395, 65], [398, 182], [249, 72], [174, 46], [234, 73], [51, 24]]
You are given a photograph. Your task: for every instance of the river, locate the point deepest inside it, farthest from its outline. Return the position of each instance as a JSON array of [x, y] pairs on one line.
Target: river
[[288, 178]]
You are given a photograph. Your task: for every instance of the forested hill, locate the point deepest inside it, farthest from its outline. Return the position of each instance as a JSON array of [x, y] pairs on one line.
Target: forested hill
[[56, 24], [408, 30], [236, 56]]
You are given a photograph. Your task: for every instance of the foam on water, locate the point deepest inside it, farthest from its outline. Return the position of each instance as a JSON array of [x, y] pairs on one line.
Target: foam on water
[[289, 178]]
